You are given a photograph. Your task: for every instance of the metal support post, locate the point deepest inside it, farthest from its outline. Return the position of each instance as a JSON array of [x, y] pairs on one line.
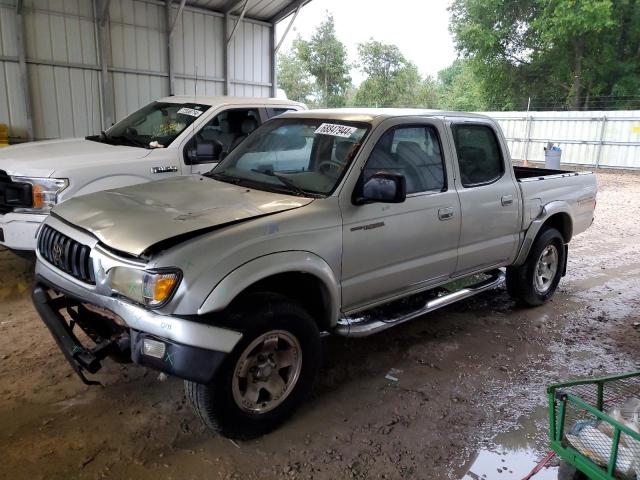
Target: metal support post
[[102, 24], [603, 128], [22, 64]]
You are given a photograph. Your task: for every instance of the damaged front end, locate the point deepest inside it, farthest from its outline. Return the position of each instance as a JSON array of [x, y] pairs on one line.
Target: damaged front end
[[62, 314], [87, 335]]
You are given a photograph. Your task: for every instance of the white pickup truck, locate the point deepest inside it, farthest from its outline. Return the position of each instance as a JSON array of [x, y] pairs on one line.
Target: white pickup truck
[[341, 221], [173, 136]]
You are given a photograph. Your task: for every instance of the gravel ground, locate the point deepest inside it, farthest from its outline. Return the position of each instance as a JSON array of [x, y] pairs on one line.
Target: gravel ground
[[468, 402]]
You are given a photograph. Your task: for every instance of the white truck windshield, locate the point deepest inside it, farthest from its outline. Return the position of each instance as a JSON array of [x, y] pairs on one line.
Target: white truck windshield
[[154, 126]]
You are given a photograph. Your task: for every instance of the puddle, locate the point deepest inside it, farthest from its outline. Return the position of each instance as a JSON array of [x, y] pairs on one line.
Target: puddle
[[514, 454], [508, 465]]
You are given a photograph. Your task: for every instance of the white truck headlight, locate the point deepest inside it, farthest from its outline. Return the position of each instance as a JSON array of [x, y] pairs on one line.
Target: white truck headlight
[[44, 191], [152, 289]]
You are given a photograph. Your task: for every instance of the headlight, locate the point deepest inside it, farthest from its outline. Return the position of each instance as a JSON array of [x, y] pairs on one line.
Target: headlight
[[44, 193], [152, 289]]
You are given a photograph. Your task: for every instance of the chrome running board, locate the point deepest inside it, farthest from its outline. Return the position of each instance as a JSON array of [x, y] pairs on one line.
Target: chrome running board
[[368, 323]]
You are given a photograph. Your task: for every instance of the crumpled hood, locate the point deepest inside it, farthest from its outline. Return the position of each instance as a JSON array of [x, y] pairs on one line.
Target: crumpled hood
[[134, 218], [43, 159]]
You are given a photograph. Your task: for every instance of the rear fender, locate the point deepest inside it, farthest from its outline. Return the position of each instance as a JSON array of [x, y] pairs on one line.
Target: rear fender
[[263, 267], [548, 211]]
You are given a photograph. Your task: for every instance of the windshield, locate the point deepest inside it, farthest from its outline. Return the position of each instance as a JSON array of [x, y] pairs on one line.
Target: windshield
[[300, 156], [154, 126]]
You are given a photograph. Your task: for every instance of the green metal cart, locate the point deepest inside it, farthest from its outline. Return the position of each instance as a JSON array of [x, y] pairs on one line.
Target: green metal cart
[[609, 450]]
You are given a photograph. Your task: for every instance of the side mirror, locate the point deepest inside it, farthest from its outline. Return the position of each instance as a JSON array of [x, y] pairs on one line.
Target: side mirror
[[381, 187], [203, 152]]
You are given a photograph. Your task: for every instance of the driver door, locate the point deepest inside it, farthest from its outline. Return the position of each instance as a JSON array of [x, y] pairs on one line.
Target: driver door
[[392, 249], [221, 134]]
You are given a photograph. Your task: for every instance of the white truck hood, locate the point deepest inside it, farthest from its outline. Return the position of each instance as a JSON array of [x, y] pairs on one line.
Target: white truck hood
[[132, 219], [44, 159]]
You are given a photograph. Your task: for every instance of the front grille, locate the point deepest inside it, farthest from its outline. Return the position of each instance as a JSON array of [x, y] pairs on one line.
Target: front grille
[[66, 254]]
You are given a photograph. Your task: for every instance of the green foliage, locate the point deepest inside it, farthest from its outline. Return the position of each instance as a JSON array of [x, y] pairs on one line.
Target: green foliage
[[293, 77], [460, 89], [325, 58], [392, 80], [559, 52]]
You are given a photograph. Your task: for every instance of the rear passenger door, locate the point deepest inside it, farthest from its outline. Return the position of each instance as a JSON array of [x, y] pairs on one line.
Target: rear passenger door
[[392, 249], [488, 197]]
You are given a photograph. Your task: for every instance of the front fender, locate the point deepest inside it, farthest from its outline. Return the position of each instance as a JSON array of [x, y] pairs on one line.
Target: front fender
[[260, 268], [550, 209]]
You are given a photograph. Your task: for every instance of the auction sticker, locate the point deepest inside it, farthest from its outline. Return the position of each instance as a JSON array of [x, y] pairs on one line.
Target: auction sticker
[[335, 130], [190, 111]]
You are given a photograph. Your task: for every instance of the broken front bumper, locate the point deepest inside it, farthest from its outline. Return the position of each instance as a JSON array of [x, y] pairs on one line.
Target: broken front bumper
[[111, 338]]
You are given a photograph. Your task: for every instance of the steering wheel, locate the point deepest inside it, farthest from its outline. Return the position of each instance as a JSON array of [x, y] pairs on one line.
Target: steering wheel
[[330, 167]]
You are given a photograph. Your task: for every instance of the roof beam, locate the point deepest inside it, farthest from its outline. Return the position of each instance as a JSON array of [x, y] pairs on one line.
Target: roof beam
[[288, 10], [286, 32], [104, 15], [233, 32], [230, 6], [178, 15]]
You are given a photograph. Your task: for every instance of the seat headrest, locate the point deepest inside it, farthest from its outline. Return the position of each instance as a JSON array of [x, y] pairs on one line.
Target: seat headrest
[[225, 126], [342, 150], [209, 134], [249, 124]]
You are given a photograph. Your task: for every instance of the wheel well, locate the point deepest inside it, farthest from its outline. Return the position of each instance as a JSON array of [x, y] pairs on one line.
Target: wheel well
[[562, 223], [304, 288]]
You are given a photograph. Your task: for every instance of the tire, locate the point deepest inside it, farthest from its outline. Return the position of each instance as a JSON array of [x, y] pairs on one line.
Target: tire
[[229, 405], [569, 472], [524, 283]]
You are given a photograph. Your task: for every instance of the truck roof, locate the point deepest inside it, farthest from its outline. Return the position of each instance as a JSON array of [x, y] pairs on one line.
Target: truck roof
[[377, 115], [220, 100]]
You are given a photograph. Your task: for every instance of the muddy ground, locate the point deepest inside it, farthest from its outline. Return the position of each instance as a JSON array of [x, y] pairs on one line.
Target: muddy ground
[[468, 398]]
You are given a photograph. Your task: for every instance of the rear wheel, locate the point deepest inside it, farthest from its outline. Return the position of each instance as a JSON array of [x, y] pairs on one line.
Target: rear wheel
[[535, 282], [266, 376]]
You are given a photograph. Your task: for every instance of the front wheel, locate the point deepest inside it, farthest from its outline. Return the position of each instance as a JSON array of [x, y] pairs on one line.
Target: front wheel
[[266, 376], [535, 282]]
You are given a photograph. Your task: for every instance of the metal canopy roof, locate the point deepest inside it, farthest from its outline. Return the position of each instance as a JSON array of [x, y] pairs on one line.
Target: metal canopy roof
[[265, 10]]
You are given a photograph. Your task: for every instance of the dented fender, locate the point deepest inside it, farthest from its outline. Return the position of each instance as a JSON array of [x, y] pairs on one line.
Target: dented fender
[[266, 266]]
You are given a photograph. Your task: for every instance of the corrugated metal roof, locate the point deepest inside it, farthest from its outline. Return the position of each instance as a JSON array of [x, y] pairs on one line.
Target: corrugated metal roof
[[265, 10]]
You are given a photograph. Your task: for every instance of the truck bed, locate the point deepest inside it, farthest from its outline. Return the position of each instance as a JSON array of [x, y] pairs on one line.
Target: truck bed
[[542, 186], [540, 173]]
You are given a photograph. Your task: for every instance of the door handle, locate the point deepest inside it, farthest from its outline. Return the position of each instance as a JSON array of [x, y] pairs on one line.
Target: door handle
[[445, 213], [506, 200], [165, 169]]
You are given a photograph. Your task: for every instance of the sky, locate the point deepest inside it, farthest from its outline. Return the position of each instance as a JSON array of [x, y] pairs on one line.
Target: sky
[[418, 27]]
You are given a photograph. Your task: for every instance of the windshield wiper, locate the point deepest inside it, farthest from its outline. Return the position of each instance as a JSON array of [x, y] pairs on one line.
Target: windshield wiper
[[130, 140], [102, 138], [223, 177], [284, 180]]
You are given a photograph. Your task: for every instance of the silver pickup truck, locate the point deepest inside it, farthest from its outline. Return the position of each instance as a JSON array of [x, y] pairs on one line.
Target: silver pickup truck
[[345, 222]]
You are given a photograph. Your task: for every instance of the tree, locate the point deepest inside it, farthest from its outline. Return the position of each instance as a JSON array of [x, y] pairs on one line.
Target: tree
[[325, 57], [460, 89], [392, 80], [562, 52], [293, 77]]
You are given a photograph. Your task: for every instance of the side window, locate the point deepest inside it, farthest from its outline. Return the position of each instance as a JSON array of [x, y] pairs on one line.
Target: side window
[[479, 154], [413, 152], [222, 133]]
